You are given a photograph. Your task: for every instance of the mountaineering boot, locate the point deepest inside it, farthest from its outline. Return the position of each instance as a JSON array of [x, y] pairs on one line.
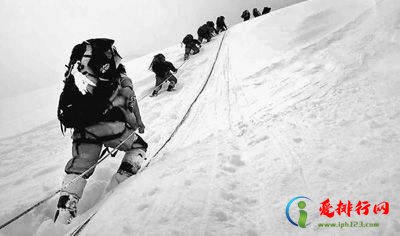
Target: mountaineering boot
[[130, 165], [67, 206], [171, 86], [67, 209]]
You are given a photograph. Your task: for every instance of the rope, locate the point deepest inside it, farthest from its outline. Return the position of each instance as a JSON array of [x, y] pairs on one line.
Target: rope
[[191, 105], [83, 225], [113, 152]]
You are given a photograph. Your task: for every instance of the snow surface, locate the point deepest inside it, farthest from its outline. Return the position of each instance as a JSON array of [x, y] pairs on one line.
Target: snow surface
[[303, 101]]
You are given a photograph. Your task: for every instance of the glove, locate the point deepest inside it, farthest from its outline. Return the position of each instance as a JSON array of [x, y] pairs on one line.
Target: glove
[[141, 126], [119, 101], [125, 98], [130, 119], [126, 92]]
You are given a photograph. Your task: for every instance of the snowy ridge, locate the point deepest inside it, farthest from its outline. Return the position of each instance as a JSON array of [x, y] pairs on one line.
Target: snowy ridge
[[303, 101], [295, 125]]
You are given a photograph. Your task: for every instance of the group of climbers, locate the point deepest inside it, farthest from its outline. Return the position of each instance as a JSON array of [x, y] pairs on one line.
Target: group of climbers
[[98, 102], [163, 68], [256, 13], [204, 32]]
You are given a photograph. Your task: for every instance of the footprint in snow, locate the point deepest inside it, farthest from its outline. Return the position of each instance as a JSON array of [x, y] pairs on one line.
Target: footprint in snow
[[251, 232], [220, 216], [250, 201], [142, 207], [297, 140], [259, 140], [153, 191], [236, 160], [156, 139], [229, 169], [233, 186], [228, 196]]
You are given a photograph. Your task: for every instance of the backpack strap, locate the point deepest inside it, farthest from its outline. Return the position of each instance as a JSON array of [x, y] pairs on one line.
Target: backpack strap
[[89, 43], [96, 139], [107, 150]]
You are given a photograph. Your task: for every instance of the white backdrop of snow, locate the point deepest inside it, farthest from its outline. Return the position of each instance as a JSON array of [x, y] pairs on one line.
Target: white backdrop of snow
[[303, 101]]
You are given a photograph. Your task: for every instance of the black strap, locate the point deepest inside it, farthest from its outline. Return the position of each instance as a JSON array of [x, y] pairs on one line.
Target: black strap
[[63, 128], [107, 150], [97, 139]]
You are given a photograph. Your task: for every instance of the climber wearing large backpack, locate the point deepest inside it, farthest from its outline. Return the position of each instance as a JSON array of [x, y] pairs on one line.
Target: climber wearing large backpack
[[266, 10], [256, 12], [211, 27], [162, 69], [246, 15], [221, 26], [204, 32], [191, 45], [99, 104]]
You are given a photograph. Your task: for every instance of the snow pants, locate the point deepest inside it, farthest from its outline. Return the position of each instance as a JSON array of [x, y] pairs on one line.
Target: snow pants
[[190, 48], [86, 149], [87, 145], [207, 37], [220, 29], [169, 77]]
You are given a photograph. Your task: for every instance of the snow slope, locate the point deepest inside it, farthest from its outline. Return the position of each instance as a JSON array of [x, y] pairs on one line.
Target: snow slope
[[303, 101]]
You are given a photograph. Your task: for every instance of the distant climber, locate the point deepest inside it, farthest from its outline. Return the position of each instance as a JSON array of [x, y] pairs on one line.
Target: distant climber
[[162, 69], [204, 32], [266, 10], [211, 27], [256, 12], [221, 26], [191, 45], [246, 15], [102, 110]]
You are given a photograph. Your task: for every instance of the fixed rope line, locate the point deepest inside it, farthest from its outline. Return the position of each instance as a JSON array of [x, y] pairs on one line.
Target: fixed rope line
[[144, 96], [83, 225], [113, 152], [191, 105]]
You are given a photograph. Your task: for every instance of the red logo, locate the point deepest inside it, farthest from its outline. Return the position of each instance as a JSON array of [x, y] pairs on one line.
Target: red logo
[[348, 208]]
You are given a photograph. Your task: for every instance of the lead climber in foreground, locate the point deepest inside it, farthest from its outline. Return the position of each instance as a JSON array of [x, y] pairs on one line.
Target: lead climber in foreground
[[99, 104]]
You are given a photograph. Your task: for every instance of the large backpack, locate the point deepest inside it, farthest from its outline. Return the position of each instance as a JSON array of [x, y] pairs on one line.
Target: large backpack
[[203, 31], [188, 39], [79, 110]]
